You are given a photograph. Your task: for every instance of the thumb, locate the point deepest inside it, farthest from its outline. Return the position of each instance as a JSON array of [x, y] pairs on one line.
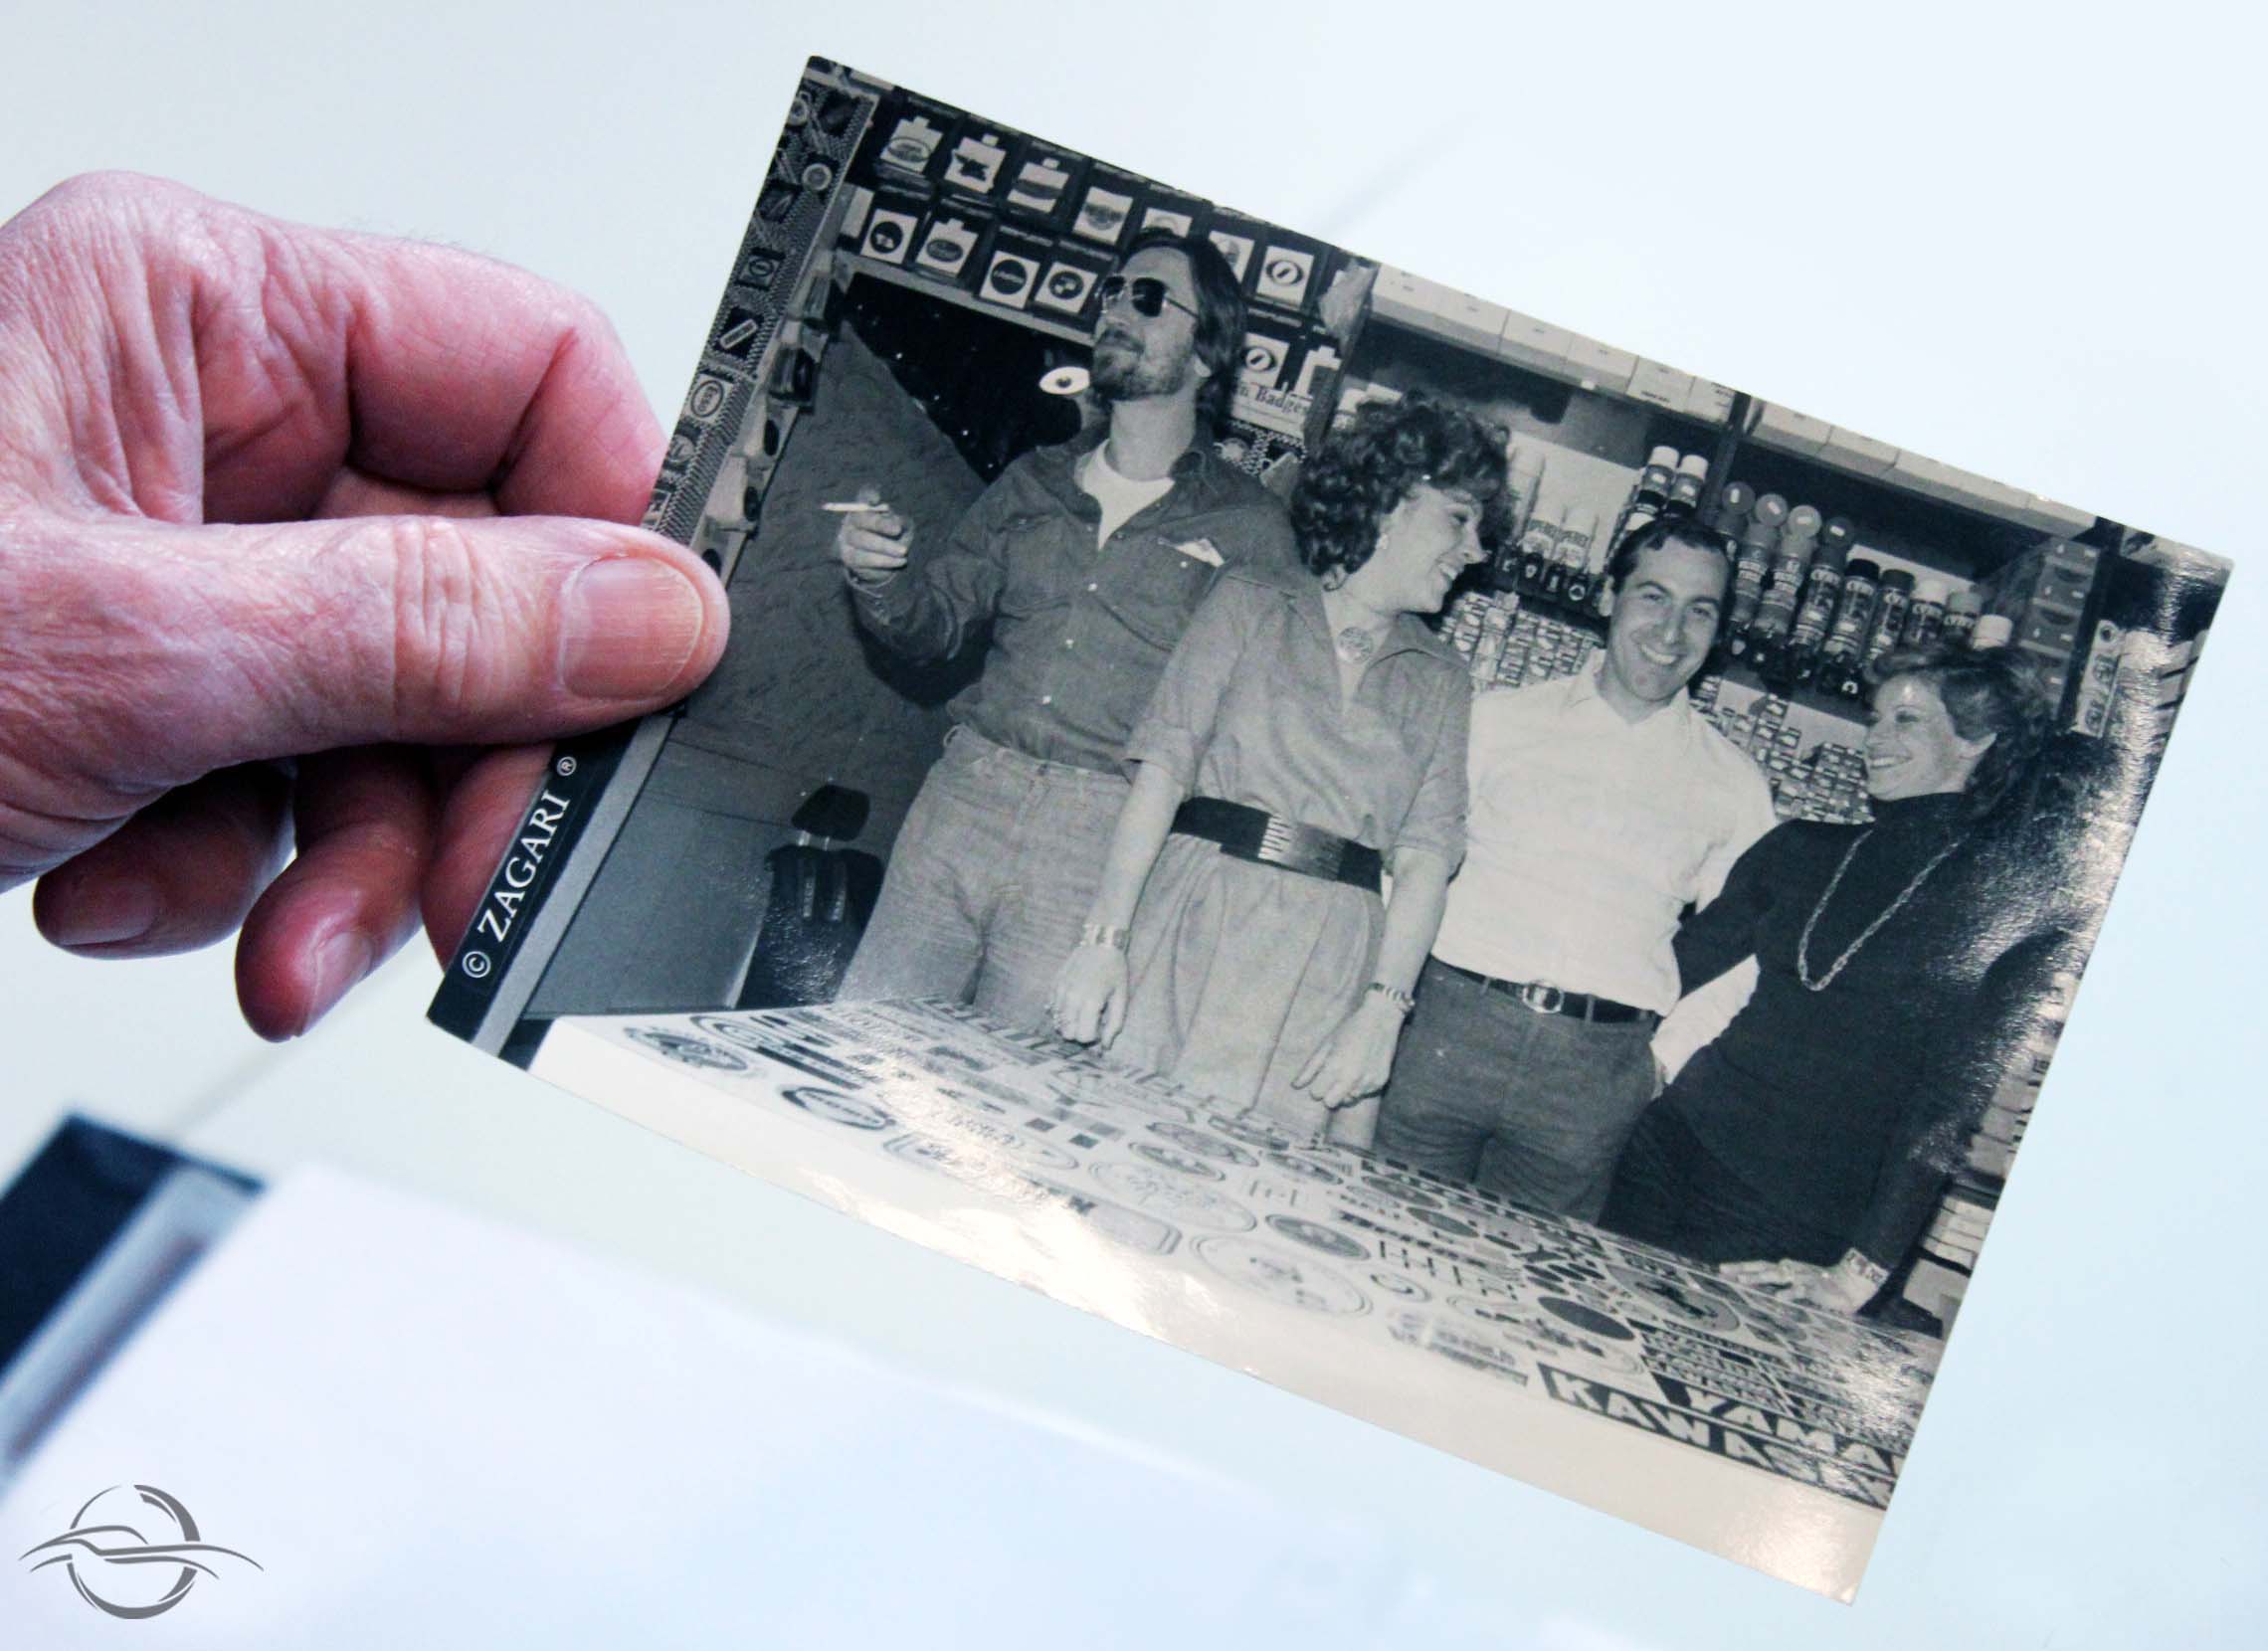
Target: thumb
[[228, 644]]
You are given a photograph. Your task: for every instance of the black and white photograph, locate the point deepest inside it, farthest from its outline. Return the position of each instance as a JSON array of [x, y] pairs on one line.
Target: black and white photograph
[[1515, 890]]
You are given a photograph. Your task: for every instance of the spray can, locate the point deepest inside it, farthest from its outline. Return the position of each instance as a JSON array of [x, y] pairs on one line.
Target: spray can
[[1686, 486], [1890, 604], [1961, 615], [1925, 620]]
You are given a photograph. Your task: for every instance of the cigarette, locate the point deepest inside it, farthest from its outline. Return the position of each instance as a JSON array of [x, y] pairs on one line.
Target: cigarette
[[846, 506]]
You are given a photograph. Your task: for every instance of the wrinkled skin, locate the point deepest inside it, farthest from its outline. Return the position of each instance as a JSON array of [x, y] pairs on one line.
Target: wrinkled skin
[[304, 539]]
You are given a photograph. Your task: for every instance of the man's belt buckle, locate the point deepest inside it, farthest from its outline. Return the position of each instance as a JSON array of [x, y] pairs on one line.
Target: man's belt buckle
[[1542, 997]]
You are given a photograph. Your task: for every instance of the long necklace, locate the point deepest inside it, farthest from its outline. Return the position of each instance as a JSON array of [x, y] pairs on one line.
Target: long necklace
[[1804, 943]]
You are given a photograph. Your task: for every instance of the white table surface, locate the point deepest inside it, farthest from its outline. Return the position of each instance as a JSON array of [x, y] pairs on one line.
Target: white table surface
[[2022, 248]]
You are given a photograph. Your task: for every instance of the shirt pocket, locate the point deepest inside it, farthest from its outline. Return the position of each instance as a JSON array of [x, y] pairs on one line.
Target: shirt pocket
[[1038, 562], [1152, 589]]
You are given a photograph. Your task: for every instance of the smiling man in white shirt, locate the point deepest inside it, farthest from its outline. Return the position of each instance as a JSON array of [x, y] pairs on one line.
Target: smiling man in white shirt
[[1604, 804]]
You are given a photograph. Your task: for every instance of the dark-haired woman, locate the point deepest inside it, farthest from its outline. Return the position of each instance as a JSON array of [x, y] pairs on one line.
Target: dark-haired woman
[[1806, 1146], [1308, 733]]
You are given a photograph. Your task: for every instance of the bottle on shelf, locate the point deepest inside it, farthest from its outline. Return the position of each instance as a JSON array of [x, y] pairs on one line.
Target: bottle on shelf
[[1686, 486], [1816, 613], [1539, 545], [1649, 494], [1925, 620], [1993, 631], [1554, 585], [1805, 522], [1524, 483], [1846, 646], [1892, 599], [1791, 562], [1578, 533], [1733, 506], [1759, 537], [1775, 624], [1961, 615]]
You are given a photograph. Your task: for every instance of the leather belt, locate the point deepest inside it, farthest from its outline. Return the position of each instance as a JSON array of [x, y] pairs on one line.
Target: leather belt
[[1270, 839], [1551, 1000]]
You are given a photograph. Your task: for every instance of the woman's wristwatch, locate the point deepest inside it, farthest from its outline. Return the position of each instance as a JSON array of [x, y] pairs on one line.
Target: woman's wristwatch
[[1102, 933], [1856, 1265]]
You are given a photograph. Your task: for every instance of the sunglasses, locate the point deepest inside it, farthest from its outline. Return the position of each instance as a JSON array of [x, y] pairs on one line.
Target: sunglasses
[[1147, 293]]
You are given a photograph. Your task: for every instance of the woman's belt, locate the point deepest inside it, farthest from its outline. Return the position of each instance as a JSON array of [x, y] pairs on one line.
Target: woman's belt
[[1271, 839]]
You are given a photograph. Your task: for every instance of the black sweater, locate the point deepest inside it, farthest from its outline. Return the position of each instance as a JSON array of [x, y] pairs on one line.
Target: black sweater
[[1847, 1106]]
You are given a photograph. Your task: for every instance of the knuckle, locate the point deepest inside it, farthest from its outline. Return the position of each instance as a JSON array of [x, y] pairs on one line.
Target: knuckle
[[440, 608], [104, 192]]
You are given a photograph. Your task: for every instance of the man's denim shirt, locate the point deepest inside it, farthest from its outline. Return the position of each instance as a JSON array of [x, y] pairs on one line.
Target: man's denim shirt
[[1078, 635]]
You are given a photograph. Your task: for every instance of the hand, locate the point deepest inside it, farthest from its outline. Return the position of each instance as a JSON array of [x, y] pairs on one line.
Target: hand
[[874, 544], [1357, 1058], [251, 478], [1837, 1289], [1090, 1002]]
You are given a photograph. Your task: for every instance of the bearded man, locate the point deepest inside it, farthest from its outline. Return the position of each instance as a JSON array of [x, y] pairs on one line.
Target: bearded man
[[1077, 571]]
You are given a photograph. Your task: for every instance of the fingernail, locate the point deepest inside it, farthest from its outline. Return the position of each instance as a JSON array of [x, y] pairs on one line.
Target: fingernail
[[340, 961], [106, 911], [629, 624]]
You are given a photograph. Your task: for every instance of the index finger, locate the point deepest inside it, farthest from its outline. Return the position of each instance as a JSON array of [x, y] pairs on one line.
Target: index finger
[[462, 374], [309, 350]]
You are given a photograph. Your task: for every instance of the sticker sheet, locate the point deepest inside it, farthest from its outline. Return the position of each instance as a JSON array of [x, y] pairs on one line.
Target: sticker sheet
[[1538, 1319]]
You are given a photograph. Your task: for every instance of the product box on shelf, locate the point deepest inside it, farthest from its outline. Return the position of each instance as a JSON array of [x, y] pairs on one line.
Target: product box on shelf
[[1599, 366], [1415, 302], [952, 246], [1238, 240], [1043, 187], [1067, 283], [892, 226], [1014, 260], [1107, 207], [1526, 342], [1268, 360], [1792, 432], [1290, 272], [977, 159], [912, 133], [1846, 449], [1172, 212], [1661, 386]]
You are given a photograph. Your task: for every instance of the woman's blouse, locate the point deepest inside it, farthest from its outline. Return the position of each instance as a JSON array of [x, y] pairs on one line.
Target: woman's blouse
[[1250, 709]]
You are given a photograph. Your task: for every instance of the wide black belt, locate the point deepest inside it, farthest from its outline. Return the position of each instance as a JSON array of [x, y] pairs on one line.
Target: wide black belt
[[1271, 839], [1551, 1000]]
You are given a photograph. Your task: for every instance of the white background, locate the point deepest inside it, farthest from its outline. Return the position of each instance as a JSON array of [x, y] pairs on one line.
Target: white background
[[2025, 245]]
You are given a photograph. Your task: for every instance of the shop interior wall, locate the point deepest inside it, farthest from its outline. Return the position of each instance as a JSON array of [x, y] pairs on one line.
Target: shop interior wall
[[803, 698]]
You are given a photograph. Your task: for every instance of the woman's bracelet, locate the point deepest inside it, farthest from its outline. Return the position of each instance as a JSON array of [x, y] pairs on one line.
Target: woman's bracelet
[[1102, 933], [1400, 999]]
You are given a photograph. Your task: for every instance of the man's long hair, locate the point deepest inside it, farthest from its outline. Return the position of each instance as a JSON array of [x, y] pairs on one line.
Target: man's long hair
[[1220, 341]]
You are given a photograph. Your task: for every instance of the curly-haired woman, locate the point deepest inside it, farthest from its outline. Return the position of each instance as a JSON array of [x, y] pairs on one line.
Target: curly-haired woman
[[1308, 733]]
